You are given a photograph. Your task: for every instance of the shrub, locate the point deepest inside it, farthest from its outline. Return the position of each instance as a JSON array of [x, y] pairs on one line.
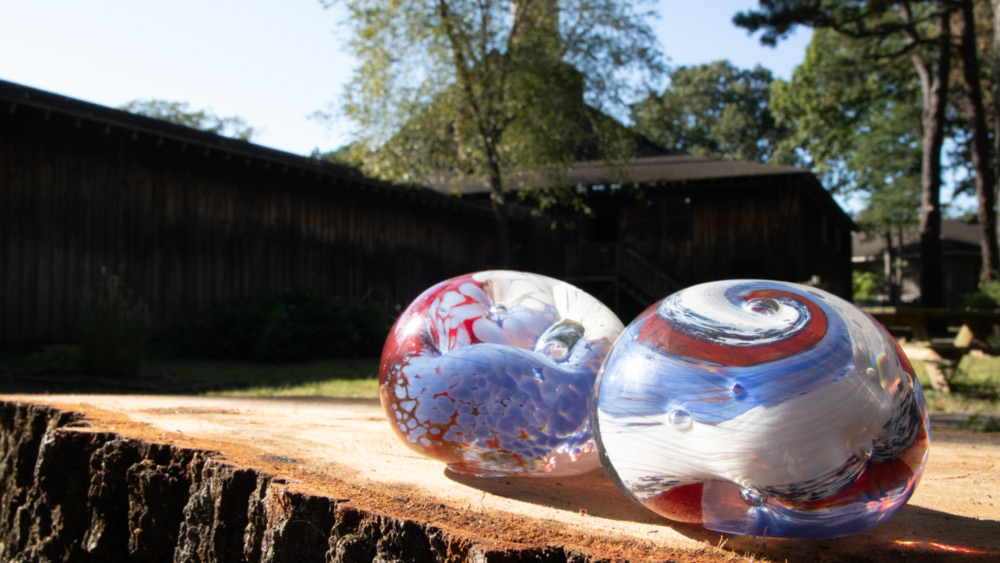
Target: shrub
[[295, 324], [976, 300], [987, 297], [864, 285], [62, 358], [113, 330]]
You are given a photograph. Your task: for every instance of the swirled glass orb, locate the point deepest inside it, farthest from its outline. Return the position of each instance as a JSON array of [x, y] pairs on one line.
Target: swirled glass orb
[[762, 408], [493, 373]]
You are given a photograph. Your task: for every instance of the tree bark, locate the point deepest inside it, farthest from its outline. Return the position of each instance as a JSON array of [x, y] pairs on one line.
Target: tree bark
[[490, 132], [934, 83], [500, 215], [889, 269], [996, 97], [975, 114], [898, 264]]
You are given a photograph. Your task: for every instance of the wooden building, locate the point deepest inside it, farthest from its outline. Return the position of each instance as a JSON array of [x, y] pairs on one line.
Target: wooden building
[[186, 217], [671, 221]]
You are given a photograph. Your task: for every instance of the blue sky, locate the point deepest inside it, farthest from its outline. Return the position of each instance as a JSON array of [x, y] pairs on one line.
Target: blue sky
[[272, 62]]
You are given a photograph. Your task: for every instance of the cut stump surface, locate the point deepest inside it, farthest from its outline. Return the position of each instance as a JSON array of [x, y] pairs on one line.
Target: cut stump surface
[[337, 466]]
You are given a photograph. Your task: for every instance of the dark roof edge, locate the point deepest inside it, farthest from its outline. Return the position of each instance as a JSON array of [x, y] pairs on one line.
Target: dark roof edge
[[14, 95]]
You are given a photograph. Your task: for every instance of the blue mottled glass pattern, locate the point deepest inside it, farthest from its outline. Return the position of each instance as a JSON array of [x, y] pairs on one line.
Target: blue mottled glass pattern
[[493, 373]]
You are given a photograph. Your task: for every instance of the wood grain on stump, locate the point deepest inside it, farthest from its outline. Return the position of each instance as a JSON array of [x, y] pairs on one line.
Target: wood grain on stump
[[114, 478]]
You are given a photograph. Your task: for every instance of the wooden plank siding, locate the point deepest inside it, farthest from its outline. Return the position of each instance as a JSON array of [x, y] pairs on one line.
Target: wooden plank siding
[[187, 223], [746, 227], [824, 247], [187, 218]]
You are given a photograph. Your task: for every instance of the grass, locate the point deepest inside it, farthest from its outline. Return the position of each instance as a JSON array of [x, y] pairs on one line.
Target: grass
[[262, 379], [341, 388], [975, 386], [52, 370], [975, 382], [345, 377]]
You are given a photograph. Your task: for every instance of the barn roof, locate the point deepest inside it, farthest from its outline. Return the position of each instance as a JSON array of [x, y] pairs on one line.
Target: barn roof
[[667, 172], [675, 168], [957, 237], [660, 170], [15, 98]]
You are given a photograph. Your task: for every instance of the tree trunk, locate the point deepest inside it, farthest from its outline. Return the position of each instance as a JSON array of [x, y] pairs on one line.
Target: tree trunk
[[996, 98], [897, 264], [934, 85], [484, 119], [980, 149], [500, 214], [891, 281]]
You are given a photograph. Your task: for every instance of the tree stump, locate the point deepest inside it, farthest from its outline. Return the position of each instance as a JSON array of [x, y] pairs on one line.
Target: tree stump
[[113, 478]]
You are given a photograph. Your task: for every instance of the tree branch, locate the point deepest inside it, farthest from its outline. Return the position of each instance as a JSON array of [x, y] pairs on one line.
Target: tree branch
[[488, 136]]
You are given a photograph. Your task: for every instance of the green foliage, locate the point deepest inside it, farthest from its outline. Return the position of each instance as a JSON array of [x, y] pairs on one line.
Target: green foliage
[[897, 58], [855, 103], [854, 18], [113, 330], [715, 109], [983, 423], [351, 154], [975, 386], [289, 325], [326, 387], [992, 289], [977, 300], [483, 91], [960, 153], [181, 113], [63, 358], [171, 374], [977, 377], [986, 298], [856, 118], [864, 285]]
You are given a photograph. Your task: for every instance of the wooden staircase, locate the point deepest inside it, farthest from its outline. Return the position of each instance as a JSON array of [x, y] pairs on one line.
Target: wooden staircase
[[615, 272]]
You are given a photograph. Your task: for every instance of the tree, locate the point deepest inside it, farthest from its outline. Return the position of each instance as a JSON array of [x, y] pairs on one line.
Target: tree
[[854, 117], [181, 113], [974, 111], [995, 66], [860, 136], [346, 155], [715, 109], [889, 212], [509, 84], [889, 31]]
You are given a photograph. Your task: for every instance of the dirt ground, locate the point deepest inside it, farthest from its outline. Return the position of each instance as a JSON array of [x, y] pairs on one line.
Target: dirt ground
[[345, 449]]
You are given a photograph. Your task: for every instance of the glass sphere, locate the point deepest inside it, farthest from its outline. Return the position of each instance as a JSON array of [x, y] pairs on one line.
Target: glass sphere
[[762, 408], [493, 373]]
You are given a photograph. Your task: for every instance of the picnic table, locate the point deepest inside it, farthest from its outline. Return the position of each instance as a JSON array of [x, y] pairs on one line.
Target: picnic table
[[974, 326], [939, 354]]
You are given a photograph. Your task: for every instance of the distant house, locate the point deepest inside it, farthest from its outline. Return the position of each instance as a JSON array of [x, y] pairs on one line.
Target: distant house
[[961, 261], [680, 220]]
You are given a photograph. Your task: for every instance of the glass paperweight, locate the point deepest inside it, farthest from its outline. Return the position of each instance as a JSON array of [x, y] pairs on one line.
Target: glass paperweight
[[493, 373], [762, 408]]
